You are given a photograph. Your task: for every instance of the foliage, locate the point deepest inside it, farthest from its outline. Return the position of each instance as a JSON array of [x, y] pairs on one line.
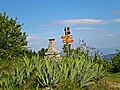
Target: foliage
[[7, 82], [64, 48], [29, 53], [115, 62], [112, 77], [67, 84], [110, 82], [42, 52], [12, 40], [49, 73]]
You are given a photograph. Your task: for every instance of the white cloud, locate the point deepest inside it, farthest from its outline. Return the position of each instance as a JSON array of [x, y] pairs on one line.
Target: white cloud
[[109, 35], [116, 20], [35, 39], [35, 42], [82, 21], [72, 22], [32, 37], [85, 29]]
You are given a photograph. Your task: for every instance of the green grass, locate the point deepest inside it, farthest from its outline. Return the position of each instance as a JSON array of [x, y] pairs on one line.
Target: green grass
[[112, 77], [110, 82]]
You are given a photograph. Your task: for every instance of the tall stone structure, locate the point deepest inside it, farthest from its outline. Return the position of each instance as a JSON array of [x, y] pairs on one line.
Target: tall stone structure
[[52, 50]]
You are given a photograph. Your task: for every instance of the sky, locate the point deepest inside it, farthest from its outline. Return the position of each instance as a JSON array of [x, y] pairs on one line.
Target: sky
[[97, 22]]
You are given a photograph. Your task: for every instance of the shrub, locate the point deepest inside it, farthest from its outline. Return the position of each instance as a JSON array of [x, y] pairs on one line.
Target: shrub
[[115, 62]]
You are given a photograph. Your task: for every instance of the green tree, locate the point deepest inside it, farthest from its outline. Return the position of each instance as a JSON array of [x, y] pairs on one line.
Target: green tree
[[115, 62], [64, 48], [29, 53], [42, 52], [12, 39]]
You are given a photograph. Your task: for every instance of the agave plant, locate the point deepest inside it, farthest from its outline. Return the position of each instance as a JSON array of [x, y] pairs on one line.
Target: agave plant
[[48, 73], [28, 66], [7, 82], [99, 72], [80, 71], [19, 75]]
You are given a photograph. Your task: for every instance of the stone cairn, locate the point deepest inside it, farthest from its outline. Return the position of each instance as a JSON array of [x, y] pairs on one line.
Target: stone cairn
[[52, 51]]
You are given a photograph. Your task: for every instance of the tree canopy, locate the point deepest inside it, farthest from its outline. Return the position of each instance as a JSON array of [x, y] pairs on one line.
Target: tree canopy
[[42, 52], [115, 62], [12, 39]]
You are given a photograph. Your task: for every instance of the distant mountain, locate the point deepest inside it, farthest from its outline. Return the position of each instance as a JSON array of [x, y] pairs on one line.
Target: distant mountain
[[109, 56], [108, 51]]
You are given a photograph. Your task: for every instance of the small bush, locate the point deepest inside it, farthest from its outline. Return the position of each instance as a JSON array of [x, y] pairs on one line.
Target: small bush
[[115, 62]]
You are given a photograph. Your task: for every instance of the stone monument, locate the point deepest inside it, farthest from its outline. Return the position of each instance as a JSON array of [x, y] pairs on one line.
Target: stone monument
[[52, 50]]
